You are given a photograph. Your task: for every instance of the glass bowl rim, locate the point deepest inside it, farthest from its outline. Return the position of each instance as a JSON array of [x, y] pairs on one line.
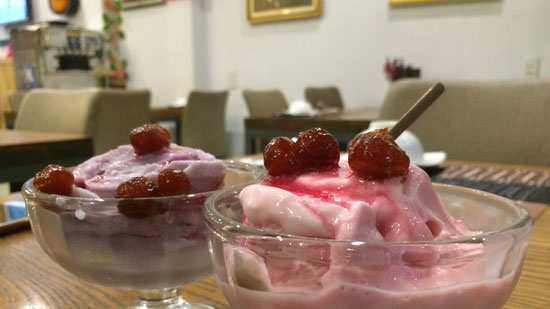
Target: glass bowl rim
[[257, 172], [214, 218]]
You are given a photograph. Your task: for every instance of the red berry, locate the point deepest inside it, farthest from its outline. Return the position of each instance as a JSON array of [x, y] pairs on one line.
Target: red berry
[[54, 179], [299, 158], [283, 157], [375, 155], [138, 187], [173, 182], [149, 138], [320, 147]]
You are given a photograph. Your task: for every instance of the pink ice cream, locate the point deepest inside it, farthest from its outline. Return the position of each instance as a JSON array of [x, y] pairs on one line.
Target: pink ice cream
[[101, 175], [338, 205]]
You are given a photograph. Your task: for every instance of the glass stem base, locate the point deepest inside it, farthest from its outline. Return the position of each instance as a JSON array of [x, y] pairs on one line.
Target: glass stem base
[[165, 299]]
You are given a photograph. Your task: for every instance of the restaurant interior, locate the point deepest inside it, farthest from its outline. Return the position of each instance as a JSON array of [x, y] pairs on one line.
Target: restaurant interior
[[467, 81]]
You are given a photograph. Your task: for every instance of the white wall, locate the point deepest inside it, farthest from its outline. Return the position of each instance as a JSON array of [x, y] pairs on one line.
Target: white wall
[[159, 49], [347, 47]]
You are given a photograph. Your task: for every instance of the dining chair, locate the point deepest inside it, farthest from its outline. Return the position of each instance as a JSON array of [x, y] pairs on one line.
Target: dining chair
[[107, 115], [502, 121], [264, 103], [324, 97], [203, 124]]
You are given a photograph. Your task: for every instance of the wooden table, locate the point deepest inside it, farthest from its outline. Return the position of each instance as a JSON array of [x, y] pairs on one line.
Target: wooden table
[[343, 125], [157, 114], [23, 153], [169, 114], [29, 278]]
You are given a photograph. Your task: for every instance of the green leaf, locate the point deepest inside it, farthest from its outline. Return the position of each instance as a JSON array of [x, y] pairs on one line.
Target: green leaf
[[124, 63], [108, 52], [112, 67], [106, 18], [119, 20], [121, 35], [117, 4]]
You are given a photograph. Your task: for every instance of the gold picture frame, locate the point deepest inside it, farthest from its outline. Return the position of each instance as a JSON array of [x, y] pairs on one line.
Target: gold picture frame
[[410, 1], [261, 11], [392, 2]]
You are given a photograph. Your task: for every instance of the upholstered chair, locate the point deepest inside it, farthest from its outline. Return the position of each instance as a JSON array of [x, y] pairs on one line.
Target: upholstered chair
[[505, 121], [203, 124], [104, 114], [264, 103]]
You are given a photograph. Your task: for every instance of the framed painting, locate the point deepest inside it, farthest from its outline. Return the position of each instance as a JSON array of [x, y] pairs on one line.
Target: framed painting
[[421, 1], [260, 11], [131, 4]]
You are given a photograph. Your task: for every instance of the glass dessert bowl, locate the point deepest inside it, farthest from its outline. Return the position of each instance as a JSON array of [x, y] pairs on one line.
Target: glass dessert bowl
[[256, 268], [155, 252]]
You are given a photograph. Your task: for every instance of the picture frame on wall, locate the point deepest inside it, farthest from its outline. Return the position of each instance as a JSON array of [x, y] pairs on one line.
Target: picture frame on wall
[[261, 11], [392, 2], [132, 4]]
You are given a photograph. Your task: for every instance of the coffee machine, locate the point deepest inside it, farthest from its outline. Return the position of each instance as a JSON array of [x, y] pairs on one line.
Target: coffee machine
[[55, 55]]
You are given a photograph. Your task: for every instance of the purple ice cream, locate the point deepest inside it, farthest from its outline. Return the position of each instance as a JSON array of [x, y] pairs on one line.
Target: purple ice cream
[[101, 175]]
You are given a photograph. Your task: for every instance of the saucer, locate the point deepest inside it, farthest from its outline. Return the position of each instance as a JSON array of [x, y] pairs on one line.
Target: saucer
[[431, 158]]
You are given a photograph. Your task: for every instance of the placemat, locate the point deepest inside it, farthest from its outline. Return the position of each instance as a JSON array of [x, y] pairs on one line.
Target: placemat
[[515, 184]]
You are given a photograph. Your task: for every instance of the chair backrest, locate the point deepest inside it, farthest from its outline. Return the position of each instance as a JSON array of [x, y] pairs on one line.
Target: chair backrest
[[203, 124], [104, 114], [264, 103], [494, 121], [324, 97]]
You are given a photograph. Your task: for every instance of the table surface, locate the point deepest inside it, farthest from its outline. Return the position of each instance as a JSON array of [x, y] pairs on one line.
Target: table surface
[[22, 153], [346, 120], [343, 125], [17, 138], [168, 113], [30, 278], [156, 112]]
